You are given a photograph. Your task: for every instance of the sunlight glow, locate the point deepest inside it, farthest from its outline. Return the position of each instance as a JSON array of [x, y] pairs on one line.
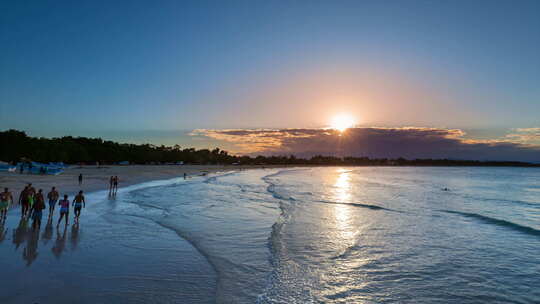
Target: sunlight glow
[[342, 195], [342, 122], [342, 192]]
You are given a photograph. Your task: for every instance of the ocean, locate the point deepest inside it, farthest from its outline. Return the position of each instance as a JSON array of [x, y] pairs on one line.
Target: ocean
[[290, 235], [357, 234]]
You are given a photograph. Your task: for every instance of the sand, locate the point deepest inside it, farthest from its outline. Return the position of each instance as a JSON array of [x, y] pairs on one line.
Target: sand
[[97, 178]]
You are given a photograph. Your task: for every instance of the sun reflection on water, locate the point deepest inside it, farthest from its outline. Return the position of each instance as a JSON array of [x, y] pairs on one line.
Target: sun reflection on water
[[342, 186], [342, 213]]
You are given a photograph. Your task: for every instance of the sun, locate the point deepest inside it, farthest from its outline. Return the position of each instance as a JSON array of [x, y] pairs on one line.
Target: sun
[[342, 122]]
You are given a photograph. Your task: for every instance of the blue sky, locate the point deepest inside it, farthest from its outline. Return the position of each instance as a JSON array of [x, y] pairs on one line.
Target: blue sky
[[128, 69]]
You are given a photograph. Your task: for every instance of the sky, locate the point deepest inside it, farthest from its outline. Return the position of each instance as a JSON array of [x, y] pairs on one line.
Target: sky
[[188, 72]]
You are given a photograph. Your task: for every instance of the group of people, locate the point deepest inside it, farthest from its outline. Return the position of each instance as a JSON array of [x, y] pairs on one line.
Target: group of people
[[32, 204]]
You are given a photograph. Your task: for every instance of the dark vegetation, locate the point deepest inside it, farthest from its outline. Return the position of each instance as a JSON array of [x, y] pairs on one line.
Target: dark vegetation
[[16, 146]]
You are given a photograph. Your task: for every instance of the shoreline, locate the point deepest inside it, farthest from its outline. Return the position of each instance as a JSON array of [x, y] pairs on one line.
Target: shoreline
[[167, 263], [49, 260], [97, 178]]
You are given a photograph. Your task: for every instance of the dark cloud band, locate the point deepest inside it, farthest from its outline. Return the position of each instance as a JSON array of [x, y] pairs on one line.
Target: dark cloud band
[[409, 142]]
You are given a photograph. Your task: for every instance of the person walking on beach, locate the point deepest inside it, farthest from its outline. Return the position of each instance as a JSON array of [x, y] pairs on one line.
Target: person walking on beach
[[37, 209], [115, 184], [80, 179], [111, 182], [64, 210], [23, 201], [78, 203], [31, 194], [6, 199], [53, 198]]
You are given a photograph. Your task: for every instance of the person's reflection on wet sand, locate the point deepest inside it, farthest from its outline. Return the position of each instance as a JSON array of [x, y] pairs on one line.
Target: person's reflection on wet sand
[[20, 234], [48, 232], [74, 236], [112, 196], [3, 231], [30, 253], [60, 243]]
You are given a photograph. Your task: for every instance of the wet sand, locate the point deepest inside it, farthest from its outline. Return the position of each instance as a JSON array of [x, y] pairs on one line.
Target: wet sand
[[105, 258], [97, 178]]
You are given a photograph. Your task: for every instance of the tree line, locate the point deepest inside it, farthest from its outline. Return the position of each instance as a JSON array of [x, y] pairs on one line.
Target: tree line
[[17, 146]]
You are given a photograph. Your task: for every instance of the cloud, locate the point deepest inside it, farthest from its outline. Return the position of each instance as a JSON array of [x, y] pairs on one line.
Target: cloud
[[407, 142], [525, 135]]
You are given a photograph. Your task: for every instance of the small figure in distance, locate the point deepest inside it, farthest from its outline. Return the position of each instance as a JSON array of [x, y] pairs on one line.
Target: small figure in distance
[[6, 199], [37, 209], [111, 182], [185, 175], [64, 209], [53, 198], [446, 189], [80, 179], [78, 203], [115, 184]]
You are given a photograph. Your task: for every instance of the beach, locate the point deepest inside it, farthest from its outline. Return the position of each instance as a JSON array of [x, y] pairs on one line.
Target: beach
[[103, 259], [97, 177]]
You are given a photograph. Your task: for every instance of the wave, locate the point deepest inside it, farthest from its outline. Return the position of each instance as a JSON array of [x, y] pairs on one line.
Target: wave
[[495, 221], [347, 252], [214, 178], [361, 205], [501, 200], [272, 186], [272, 190]]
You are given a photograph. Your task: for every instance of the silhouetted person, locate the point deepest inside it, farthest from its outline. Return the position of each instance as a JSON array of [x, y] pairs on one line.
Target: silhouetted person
[[31, 193], [23, 201], [78, 203], [111, 182], [115, 184], [6, 199], [64, 210], [37, 209], [80, 179], [53, 198]]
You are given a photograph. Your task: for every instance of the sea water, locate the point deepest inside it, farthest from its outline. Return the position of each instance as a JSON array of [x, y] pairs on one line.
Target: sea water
[[357, 234]]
